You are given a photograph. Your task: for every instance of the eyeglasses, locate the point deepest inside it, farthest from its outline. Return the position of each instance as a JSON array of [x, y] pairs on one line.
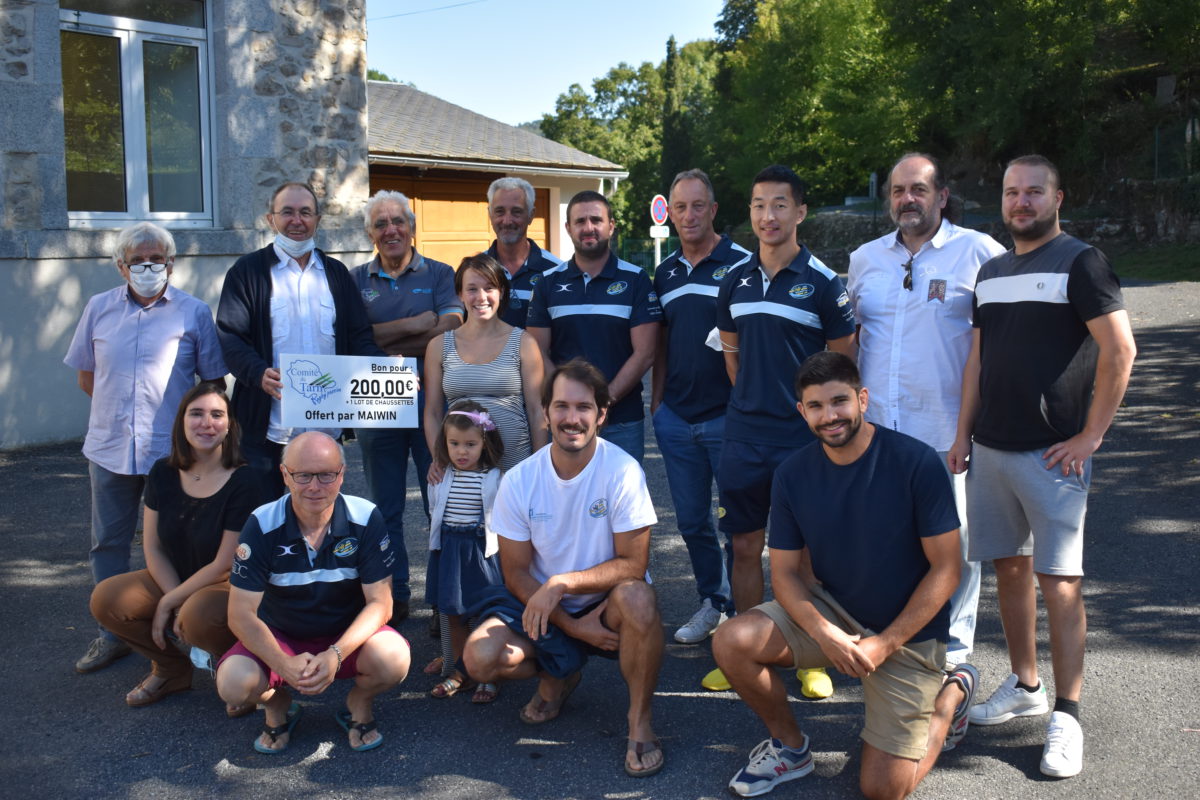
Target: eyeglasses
[[306, 214], [908, 272], [138, 269], [305, 478]]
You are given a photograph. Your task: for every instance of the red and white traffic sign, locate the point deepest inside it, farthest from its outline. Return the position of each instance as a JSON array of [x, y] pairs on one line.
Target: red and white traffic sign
[[658, 209]]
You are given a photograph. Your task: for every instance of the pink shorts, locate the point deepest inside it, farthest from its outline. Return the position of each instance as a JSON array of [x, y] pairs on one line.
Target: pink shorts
[[293, 646]]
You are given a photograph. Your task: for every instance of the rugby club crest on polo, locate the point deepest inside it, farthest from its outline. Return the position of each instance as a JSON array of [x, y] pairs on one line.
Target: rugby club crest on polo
[[801, 291], [599, 508], [346, 547], [720, 272], [242, 552], [383, 544], [618, 287]]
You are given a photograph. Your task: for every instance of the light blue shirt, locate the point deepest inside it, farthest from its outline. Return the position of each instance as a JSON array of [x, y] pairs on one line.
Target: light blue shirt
[[144, 360]]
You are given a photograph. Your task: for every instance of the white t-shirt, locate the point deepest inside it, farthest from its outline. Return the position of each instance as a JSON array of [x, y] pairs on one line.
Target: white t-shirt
[[571, 523]]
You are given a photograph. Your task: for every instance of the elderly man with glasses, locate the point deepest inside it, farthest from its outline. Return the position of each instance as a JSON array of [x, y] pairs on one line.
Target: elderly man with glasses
[[138, 349], [310, 599]]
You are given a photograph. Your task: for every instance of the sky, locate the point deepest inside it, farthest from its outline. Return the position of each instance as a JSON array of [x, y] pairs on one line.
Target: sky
[[511, 59]]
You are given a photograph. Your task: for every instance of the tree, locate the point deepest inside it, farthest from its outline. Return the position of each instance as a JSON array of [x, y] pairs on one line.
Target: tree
[[676, 143]]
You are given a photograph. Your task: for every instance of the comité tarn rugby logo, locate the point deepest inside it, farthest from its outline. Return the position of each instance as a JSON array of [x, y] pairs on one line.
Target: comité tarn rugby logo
[[309, 381]]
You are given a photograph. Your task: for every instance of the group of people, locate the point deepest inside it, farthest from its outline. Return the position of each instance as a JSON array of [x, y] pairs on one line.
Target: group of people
[[843, 418]]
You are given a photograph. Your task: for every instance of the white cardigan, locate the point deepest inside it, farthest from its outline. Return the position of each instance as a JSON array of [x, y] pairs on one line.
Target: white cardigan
[[439, 493]]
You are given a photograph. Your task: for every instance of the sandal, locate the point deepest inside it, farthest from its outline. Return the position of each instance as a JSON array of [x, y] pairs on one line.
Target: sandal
[[348, 724], [485, 693], [141, 695], [548, 709], [434, 667], [640, 749], [451, 686], [293, 716]]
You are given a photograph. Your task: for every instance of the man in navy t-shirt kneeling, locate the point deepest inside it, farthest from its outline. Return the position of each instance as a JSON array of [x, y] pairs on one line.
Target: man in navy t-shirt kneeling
[[862, 571]]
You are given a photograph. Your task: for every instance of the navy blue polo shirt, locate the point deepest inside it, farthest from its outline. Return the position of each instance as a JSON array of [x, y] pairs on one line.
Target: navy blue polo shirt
[[592, 319], [309, 599], [779, 323], [697, 385], [521, 284]]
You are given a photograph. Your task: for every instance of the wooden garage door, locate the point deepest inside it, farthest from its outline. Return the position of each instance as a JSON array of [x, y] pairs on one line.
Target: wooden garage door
[[452, 218]]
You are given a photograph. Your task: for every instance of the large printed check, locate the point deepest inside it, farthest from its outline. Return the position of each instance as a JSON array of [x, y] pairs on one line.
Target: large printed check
[[349, 391]]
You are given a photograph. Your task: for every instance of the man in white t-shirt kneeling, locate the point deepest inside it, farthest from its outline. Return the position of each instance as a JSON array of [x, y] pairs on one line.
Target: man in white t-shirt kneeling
[[574, 526]]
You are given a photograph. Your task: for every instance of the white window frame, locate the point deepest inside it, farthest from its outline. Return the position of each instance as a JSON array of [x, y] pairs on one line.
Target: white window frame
[[131, 34]]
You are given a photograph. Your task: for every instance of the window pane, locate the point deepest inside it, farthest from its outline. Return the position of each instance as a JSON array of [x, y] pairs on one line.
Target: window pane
[[173, 12], [91, 68], [173, 158]]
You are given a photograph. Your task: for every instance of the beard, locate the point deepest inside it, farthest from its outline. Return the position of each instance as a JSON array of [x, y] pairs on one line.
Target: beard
[[915, 227], [853, 426], [599, 248], [510, 236], [1033, 230]]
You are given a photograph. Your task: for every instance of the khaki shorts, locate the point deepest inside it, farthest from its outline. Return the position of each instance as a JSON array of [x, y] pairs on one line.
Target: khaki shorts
[[899, 694]]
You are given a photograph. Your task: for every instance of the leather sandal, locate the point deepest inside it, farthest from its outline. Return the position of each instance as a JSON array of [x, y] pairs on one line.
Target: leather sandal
[[451, 686], [141, 695], [548, 709]]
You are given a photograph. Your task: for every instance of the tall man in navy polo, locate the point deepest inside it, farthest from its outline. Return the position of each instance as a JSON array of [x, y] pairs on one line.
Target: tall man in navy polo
[[410, 299], [604, 310], [510, 210], [691, 388], [311, 593], [773, 312]]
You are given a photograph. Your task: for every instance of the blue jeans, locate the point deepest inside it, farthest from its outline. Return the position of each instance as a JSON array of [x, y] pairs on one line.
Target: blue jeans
[[965, 600], [629, 436], [690, 455], [116, 500], [385, 453]]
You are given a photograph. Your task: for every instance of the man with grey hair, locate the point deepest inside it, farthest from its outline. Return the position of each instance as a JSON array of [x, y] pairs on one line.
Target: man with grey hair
[[510, 210], [288, 297], [690, 388], [138, 349], [912, 291], [409, 299]]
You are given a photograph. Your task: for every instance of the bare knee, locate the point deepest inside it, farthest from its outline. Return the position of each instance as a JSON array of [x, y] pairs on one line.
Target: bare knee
[[239, 679], [747, 546], [485, 652], [740, 639], [636, 604], [384, 659]]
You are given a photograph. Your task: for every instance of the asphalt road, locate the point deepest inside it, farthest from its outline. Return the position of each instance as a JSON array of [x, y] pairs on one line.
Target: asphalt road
[[67, 735]]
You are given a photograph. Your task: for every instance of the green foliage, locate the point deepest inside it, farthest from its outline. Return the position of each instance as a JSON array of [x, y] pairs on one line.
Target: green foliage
[[377, 75]]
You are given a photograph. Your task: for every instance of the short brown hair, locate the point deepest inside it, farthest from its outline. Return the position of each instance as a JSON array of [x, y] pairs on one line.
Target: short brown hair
[[182, 455], [580, 371], [490, 269], [493, 445], [1034, 160]]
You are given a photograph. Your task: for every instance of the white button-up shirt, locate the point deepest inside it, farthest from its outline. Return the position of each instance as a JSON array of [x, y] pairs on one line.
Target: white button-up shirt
[[913, 344], [144, 360], [302, 317]]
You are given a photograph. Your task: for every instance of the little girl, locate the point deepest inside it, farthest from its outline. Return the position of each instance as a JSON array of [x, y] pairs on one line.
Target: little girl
[[462, 557]]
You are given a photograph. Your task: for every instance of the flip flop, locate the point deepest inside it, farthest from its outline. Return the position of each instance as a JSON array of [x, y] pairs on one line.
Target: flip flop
[[347, 722], [485, 693], [640, 749], [551, 708], [293, 716]]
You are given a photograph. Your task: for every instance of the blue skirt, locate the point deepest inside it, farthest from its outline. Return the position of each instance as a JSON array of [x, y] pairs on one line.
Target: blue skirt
[[460, 569]]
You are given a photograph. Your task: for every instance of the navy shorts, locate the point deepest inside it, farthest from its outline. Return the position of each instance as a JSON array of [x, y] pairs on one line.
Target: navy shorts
[[744, 484]]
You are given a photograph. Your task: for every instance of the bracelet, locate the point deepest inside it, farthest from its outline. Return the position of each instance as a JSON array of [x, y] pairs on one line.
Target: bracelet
[[337, 651]]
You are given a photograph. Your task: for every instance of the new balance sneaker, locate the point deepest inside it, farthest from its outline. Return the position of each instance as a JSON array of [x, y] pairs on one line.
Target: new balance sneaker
[[770, 765], [1062, 757], [1008, 701], [701, 625], [100, 653], [968, 678]]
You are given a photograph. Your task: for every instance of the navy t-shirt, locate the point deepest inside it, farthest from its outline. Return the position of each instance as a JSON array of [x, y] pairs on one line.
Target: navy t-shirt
[[863, 524], [779, 323], [592, 319], [311, 599], [697, 385]]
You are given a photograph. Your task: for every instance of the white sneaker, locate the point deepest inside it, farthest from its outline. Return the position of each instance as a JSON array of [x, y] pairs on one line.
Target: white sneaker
[[1062, 757], [1010, 701], [770, 765], [701, 625]]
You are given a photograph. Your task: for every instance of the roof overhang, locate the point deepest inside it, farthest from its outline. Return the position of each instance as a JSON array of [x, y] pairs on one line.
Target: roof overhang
[[490, 166]]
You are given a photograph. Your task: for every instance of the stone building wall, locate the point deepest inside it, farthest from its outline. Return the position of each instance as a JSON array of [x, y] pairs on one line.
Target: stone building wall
[[287, 101]]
